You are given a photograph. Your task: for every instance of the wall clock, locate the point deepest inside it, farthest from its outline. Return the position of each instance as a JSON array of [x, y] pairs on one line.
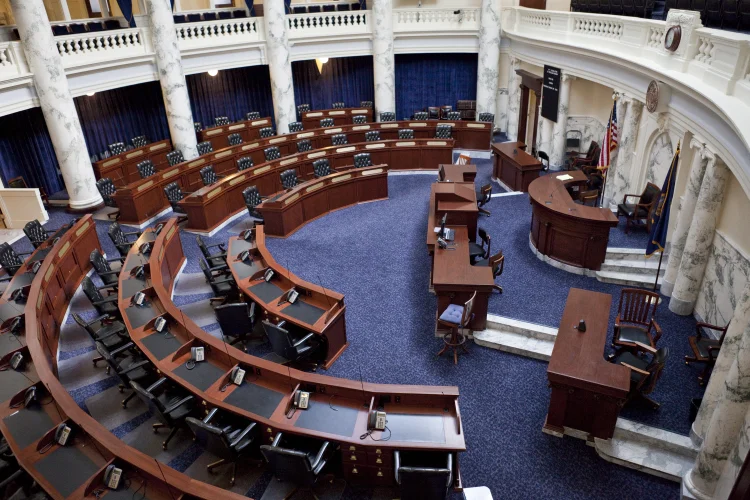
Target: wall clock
[[672, 38]]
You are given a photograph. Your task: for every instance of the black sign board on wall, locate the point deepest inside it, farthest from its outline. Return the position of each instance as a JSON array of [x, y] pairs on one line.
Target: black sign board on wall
[[551, 92]]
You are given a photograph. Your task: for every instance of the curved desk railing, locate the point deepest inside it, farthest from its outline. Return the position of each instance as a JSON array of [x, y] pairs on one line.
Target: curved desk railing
[[561, 229], [419, 417], [248, 130], [75, 470], [122, 168], [210, 206], [341, 116], [283, 215]]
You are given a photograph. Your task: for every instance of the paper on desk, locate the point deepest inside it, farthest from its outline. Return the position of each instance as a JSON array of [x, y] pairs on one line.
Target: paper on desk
[[564, 177]]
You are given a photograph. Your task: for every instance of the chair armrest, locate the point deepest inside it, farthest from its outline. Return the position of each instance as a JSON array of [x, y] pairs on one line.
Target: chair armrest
[[220, 245], [219, 282], [109, 273], [304, 339], [25, 253], [105, 337], [644, 347], [111, 298], [106, 287], [179, 403], [625, 197], [136, 233], [711, 350], [700, 326], [99, 318], [242, 435], [156, 384], [638, 370], [210, 415], [320, 454], [135, 366], [658, 330], [219, 267], [125, 347], [117, 259]]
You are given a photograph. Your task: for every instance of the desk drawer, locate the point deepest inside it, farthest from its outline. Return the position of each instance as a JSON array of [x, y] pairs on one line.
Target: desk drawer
[[384, 459], [358, 457], [356, 473], [269, 433], [381, 476]]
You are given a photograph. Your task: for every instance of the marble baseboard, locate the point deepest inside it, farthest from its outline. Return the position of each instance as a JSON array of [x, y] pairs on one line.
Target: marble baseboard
[[504, 186], [561, 265], [666, 288], [475, 153], [681, 307]]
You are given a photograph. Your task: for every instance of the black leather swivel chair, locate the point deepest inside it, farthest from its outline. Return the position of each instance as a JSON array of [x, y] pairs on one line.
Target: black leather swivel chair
[[128, 364], [359, 119], [387, 116], [288, 178], [198, 126], [220, 121], [120, 238], [423, 475], [339, 139], [253, 115], [453, 116], [478, 250], [252, 200], [213, 259], [230, 443], [362, 160], [405, 133], [365, 104], [234, 139], [175, 157], [372, 135], [295, 127], [237, 320], [420, 115], [266, 132], [208, 175], [35, 232], [103, 305], [272, 153], [322, 167], [171, 406], [486, 117], [443, 132], [338, 105], [302, 109], [223, 287], [205, 147], [304, 146], [139, 141], [327, 122], [244, 163], [116, 148], [103, 268], [174, 195], [106, 330], [301, 465], [744, 8], [292, 347], [146, 169], [9, 259], [107, 190]]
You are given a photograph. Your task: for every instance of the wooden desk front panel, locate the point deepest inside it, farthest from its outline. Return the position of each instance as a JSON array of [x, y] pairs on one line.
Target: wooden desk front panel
[[311, 120], [122, 168], [248, 130], [515, 169]]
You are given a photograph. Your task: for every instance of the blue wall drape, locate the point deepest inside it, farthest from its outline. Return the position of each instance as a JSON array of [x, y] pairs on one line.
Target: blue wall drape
[[231, 93], [424, 80], [118, 115], [26, 150], [126, 6], [347, 79]]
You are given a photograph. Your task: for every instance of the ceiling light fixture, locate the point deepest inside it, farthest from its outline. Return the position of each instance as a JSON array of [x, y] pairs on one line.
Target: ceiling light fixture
[[213, 72]]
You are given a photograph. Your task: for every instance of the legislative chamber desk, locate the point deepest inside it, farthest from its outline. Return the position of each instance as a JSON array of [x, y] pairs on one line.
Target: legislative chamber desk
[[587, 391], [341, 116], [284, 214], [453, 278], [459, 173], [210, 206], [563, 230], [249, 130], [419, 417], [513, 166], [76, 470], [122, 168]]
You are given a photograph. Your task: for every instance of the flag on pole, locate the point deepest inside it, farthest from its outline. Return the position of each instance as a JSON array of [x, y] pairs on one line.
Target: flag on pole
[[610, 140], [660, 218]]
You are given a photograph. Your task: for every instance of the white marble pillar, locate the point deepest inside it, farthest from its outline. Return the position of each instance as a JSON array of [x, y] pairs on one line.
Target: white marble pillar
[[618, 176], [559, 129], [545, 133], [514, 99], [724, 428], [699, 240], [489, 57], [384, 66], [540, 125], [57, 104], [735, 461], [172, 79], [728, 352], [685, 214], [279, 64]]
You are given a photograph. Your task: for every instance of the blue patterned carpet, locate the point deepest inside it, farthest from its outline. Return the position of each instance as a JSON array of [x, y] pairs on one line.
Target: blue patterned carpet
[[375, 255]]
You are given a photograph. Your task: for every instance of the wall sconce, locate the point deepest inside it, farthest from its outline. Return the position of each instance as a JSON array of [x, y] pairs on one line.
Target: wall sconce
[[90, 94], [213, 72]]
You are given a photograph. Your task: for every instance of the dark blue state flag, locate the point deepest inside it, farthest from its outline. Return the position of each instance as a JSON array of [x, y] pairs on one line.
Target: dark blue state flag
[[660, 218]]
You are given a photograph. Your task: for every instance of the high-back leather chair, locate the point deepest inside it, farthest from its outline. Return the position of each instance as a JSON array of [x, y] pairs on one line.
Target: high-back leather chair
[[405, 133], [443, 132], [272, 153], [338, 105], [327, 122], [301, 465], [175, 157], [174, 195], [321, 167], [484, 195], [116, 148], [636, 319], [362, 160], [205, 147], [304, 145], [103, 305], [433, 113], [220, 121], [103, 268], [421, 115], [339, 139], [105, 329], [302, 109], [295, 127], [730, 17], [252, 115], [169, 404], [641, 209], [107, 189], [359, 119], [127, 364], [288, 178], [453, 115], [198, 126], [423, 475], [486, 117], [252, 200], [266, 132], [234, 139], [222, 287], [481, 249], [139, 141], [744, 14], [146, 169], [713, 13], [387, 116], [372, 135], [244, 163], [291, 346], [208, 175], [365, 104], [35, 232], [9, 259], [236, 320], [120, 238]]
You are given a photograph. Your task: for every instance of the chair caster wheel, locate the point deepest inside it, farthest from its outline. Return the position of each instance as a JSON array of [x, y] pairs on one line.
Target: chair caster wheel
[[156, 431], [124, 404], [121, 389], [164, 446], [231, 482]]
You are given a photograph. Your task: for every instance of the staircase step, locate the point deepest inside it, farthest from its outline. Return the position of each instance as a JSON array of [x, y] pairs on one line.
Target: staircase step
[[515, 343], [534, 330], [631, 254], [626, 279], [648, 267]]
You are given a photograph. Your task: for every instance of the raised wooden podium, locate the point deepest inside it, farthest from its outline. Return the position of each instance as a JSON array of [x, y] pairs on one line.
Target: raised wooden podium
[[513, 166]]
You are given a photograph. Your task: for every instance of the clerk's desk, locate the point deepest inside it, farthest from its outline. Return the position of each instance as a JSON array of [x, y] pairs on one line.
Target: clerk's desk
[[587, 391], [513, 165], [423, 418], [454, 279]]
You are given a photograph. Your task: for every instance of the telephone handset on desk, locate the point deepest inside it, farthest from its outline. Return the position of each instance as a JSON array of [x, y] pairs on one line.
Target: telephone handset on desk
[[267, 275], [112, 476], [444, 244], [245, 257], [376, 420], [197, 354], [139, 299], [237, 375], [17, 361], [62, 433], [160, 324], [145, 249], [158, 229], [139, 272], [248, 234], [301, 400], [291, 296]]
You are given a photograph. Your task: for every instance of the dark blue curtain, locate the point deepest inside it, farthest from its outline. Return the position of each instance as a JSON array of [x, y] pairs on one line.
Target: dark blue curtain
[[126, 6], [118, 115], [424, 80], [346, 79], [26, 150], [231, 93]]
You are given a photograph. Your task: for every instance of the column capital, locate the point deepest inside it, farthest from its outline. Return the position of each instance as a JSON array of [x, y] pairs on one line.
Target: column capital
[[515, 62], [568, 78], [698, 144], [709, 155]]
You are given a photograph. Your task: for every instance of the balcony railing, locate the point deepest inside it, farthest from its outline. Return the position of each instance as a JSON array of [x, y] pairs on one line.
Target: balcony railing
[[331, 24], [219, 32], [85, 48], [440, 20]]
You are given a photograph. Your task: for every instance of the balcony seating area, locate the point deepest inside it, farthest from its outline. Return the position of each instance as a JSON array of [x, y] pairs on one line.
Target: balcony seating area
[[633, 8], [197, 17], [334, 7], [87, 27]]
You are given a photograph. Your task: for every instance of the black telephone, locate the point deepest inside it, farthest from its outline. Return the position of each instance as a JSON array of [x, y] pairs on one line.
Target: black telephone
[[244, 256], [158, 229], [17, 361], [112, 477], [54, 242], [160, 324], [301, 400], [139, 272], [62, 433], [268, 275], [248, 234], [376, 420], [237, 375], [442, 243], [18, 295], [145, 248], [139, 299], [35, 266], [15, 325], [29, 396]]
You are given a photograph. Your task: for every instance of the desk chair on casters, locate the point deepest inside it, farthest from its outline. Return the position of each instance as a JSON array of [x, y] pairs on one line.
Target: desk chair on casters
[[172, 407], [10, 260], [107, 189], [215, 260], [423, 475], [237, 321], [252, 200], [484, 195], [544, 159], [456, 317], [302, 465], [295, 127], [292, 347], [252, 115], [644, 372], [478, 250], [128, 364], [35, 232], [105, 306], [705, 349], [120, 238], [224, 288], [174, 195], [103, 269], [106, 330]]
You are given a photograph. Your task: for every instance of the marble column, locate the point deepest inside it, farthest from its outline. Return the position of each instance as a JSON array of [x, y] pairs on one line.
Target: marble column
[[540, 125], [724, 428], [384, 66], [279, 64], [545, 134], [728, 352], [557, 153], [735, 461], [57, 105], [172, 79], [618, 176], [685, 214], [489, 57], [699, 240], [514, 99]]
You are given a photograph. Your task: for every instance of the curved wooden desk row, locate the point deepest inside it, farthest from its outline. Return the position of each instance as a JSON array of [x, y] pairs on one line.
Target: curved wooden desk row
[[77, 469], [122, 168], [284, 214], [565, 231], [210, 206], [419, 417], [341, 116], [248, 130]]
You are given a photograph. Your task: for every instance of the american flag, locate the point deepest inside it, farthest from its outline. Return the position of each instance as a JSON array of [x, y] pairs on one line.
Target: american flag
[[610, 139]]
